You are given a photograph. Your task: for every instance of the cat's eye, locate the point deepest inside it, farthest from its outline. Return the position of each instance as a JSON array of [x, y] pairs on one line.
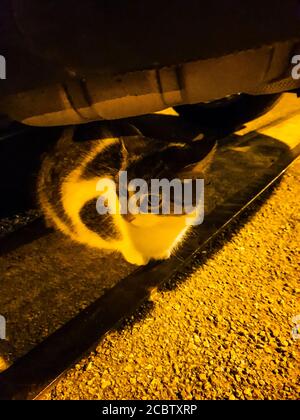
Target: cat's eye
[[154, 201]]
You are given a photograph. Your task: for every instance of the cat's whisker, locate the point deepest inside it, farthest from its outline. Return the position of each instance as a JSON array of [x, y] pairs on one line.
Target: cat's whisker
[[178, 258]]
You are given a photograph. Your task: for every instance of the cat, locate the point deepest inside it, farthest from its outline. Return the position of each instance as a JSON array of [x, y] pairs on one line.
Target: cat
[[69, 174]]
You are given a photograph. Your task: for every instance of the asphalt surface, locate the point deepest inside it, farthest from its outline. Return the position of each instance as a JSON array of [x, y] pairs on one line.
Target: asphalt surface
[[223, 330]]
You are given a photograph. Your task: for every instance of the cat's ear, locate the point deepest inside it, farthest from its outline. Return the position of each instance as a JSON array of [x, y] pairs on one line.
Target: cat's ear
[[133, 145], [134, 131], [132, 140], [68, 134], [125, 129], [199, 168]]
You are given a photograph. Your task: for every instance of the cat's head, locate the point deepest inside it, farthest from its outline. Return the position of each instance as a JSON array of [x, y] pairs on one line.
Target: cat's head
[[153, 162], [154, 228]]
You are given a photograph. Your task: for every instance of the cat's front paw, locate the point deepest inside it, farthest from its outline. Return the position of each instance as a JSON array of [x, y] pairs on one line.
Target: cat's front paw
[[136, 259], [139, 259]]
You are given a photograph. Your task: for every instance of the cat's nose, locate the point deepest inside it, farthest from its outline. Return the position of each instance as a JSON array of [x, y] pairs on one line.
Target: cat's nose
[[129, 217]]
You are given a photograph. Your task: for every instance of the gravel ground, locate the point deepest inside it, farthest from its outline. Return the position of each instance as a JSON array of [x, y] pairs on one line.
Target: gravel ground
[[222, 331]]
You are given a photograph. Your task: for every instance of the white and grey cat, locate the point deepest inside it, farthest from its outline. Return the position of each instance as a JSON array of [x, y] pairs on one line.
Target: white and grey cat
[[83, 155]]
